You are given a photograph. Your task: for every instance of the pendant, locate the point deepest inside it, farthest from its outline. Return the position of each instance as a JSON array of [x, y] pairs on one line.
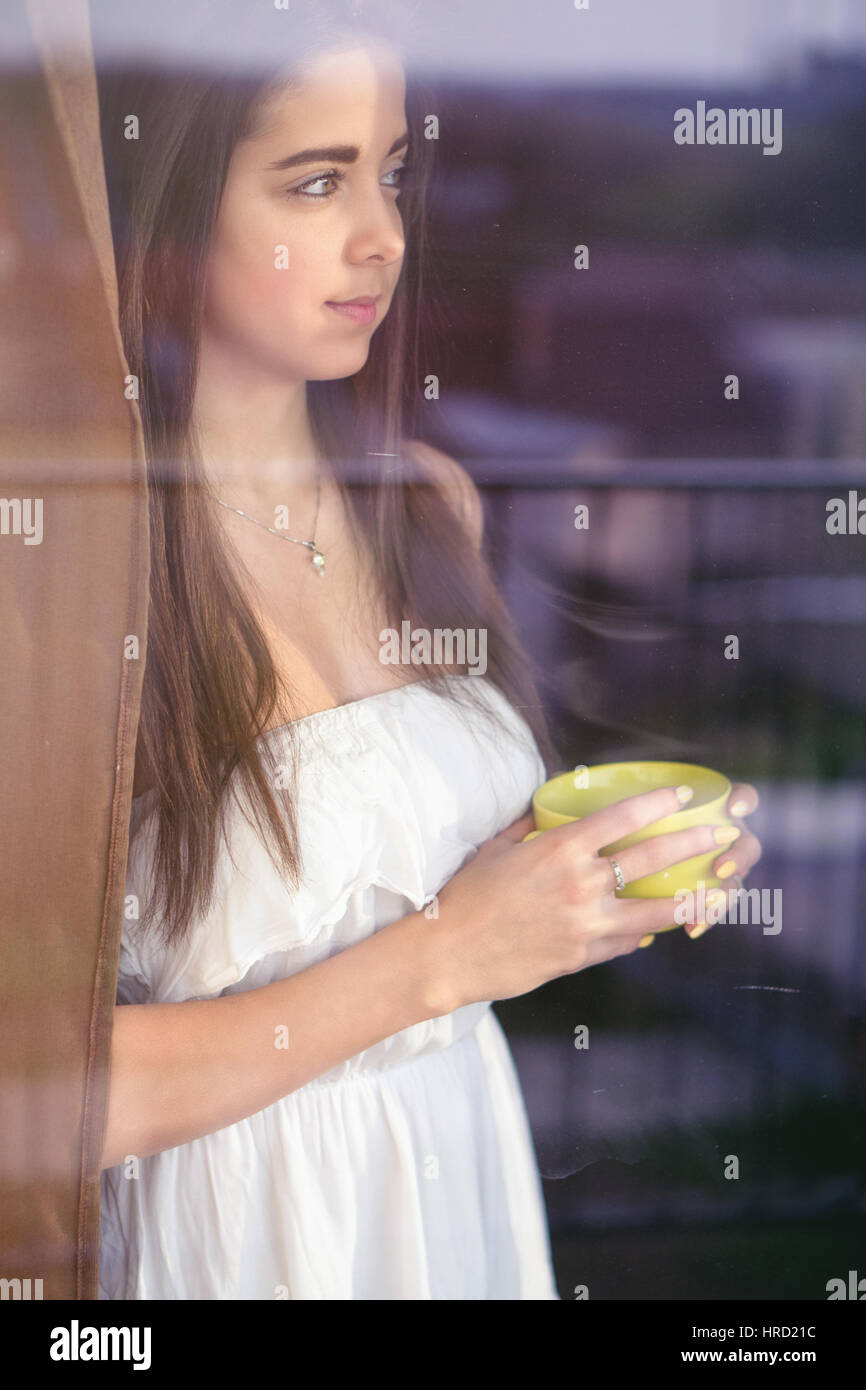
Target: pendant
[[319, 562]]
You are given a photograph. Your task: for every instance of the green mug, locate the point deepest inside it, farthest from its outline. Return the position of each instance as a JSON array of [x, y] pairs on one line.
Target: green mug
[[573, 795]]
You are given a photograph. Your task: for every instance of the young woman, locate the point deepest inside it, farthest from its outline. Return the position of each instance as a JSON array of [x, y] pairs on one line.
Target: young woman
[[310, 1095]]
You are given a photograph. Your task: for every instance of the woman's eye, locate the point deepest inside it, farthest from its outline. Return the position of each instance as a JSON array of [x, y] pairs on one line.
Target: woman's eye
[[302, 188], [400, 172], [335, 177]]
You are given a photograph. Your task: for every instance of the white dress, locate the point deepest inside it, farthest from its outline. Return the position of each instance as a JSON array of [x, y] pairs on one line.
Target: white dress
[[408, 1171]]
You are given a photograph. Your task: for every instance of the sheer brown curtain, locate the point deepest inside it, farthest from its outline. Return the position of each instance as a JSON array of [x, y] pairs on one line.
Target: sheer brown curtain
[[74, 574]]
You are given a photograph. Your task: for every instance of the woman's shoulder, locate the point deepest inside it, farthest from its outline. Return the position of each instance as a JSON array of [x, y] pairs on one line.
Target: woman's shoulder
[[452, 477]]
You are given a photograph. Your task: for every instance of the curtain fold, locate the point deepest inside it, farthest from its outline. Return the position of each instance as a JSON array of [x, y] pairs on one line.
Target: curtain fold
[[74, 576]]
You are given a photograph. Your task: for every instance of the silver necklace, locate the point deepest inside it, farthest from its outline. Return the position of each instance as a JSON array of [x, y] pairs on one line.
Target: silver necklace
[[318, 557]]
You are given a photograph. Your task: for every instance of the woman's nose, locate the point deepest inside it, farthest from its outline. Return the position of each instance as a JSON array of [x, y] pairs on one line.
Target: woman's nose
[[377, 229]]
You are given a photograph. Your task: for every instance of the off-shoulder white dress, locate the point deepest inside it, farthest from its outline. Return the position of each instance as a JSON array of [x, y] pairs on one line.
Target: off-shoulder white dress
[[408, 1171]]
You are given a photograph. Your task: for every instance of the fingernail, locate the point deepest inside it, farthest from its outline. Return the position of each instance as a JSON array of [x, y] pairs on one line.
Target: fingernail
[[725, 870], [684, 794], [697, 930], [646, 940], [726, 834], [739, 808]]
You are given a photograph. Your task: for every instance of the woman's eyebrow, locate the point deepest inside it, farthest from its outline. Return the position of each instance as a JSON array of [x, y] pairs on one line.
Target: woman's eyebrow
[[336, 154]]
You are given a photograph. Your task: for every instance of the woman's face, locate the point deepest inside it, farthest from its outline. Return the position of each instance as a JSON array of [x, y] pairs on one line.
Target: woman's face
[[290, 240]]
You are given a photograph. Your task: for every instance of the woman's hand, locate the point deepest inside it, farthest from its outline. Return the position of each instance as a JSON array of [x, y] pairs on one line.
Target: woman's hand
[[518, 915], [745, 852], [734, 862]]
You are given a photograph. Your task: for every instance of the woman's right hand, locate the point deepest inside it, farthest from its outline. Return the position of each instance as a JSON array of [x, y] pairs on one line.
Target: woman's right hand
[[518, 915]]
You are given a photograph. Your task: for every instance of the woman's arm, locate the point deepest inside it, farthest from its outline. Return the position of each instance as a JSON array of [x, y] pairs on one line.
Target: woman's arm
[[180, 1071]]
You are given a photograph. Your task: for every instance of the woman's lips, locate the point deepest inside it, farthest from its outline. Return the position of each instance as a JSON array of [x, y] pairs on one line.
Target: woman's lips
[[361, 313]]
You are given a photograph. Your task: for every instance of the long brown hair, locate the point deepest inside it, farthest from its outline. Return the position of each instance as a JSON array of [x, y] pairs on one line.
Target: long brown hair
[[210, 685]]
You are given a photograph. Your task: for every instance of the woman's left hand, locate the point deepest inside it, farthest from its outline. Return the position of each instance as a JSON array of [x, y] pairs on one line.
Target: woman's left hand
[[739, 857]]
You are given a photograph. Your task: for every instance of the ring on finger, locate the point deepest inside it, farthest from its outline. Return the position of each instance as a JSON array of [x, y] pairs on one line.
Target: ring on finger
[[618, 874]]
